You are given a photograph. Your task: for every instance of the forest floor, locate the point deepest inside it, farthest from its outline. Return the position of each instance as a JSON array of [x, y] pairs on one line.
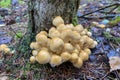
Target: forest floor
[[96, 68]]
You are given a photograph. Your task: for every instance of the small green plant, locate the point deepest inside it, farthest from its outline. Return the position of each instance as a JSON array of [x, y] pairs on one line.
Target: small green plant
[[75, 21], [116, 21], [7, 3], [18, 35], [111, 38]]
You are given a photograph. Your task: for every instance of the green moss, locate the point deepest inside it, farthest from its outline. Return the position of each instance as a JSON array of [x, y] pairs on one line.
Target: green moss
[[7, 3], [111, 38], [116, 21], [75, 21]]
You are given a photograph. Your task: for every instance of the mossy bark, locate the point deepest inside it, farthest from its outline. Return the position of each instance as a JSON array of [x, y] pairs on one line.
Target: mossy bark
[[41, 14]]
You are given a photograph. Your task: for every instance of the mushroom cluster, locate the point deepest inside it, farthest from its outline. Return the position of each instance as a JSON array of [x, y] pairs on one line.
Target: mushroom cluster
[[4, 48], [62, 43]]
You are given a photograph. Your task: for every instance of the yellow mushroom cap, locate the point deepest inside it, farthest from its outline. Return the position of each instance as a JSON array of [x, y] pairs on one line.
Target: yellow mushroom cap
[[43, 33], [77, 46], [41, 39], [32, 59], [101, 25], [68, 47], [52, 29], [34, 45], [89, 33], [56, 44], [75, 36], [34, 52], [84, 32], [3, 46], [76, 51], [55, 60], [70, 26], [54, 34], [93, 44], [74, 57], [43, 57], [79, 28], [87, 50], [65, 56], [61, 27], [66, 35], [84, 55], [6, 50], [57, 21], [79, 63]]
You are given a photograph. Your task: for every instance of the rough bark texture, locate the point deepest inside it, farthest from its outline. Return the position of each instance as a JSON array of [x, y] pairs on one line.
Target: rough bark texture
[[43, 11]]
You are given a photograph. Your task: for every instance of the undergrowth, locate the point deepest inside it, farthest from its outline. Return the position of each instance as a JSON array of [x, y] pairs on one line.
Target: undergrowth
[[7, 3]]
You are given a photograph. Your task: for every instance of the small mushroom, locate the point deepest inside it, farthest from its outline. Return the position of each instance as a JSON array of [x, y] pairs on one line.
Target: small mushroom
[[65, 56], [57, 21], [66, 35], [34, 52], [32, 59], [56, 44], [93, 45], [43, 57], [7, 50], [75, 36], [43, 33], [79, 63], [87, 50], [3, 46], [61, 27], [74, 57], [68, 47], [54, 34], [83, 55], [55, 60], [89, 33], [34, 45], [69, 26], [41, 39], [79, 28]]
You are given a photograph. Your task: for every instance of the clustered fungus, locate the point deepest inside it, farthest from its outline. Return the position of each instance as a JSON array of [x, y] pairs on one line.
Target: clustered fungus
[[62, 43], [4, 48]]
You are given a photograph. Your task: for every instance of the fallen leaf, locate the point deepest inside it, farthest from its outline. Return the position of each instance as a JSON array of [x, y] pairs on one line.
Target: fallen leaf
[[3, 76], [114, 63]]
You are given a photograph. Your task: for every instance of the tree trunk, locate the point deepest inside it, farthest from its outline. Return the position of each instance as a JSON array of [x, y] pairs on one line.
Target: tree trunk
[[43, 11], [41, 14]]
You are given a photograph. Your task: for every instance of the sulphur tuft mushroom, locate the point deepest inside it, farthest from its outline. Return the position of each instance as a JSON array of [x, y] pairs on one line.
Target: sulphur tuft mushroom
[[57, 21], [55, 60], [34, 52], [62, 43], [32, 59], [65, 56], [43, 57], [83, 55], [56, 44], [78, 63], [5, 48], [68, 47]]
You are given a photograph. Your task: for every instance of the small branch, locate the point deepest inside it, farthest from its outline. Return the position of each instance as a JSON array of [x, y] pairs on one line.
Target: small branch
[[14, 32], [100, 9]]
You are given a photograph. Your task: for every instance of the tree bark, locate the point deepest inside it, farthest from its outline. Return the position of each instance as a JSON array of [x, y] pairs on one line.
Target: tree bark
[[43, 11]]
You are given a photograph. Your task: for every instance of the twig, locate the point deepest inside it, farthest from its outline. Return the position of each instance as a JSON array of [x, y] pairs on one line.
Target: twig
[[14, 32], [100, 9], [113, 8]]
